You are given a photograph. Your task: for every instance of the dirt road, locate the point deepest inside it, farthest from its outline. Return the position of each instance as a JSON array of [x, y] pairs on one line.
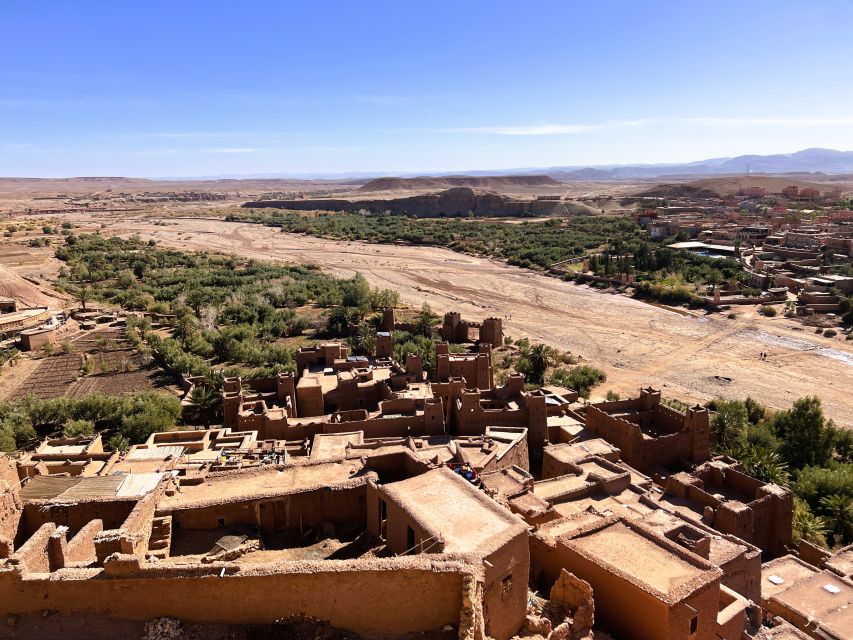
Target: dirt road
[[690, 356]]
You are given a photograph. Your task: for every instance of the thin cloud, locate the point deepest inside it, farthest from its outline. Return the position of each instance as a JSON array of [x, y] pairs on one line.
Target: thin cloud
[[771, 122], [194, 135], [553, 129], [582, 128]]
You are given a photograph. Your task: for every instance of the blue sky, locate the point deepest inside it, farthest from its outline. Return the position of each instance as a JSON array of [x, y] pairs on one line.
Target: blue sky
[[208, 88]]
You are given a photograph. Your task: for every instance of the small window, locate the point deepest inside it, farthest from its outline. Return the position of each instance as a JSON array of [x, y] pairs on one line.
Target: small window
[[221, 522], [694, 624], [410, 540], [506, 587]]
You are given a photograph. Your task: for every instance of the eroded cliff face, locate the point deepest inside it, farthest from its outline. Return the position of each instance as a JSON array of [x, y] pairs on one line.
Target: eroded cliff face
[[459, 201]]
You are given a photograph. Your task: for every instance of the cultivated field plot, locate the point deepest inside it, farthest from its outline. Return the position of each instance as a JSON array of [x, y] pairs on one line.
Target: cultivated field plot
[[116, 368]]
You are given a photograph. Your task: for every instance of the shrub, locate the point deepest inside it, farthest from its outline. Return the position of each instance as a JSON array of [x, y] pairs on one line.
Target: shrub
[[767, 311]]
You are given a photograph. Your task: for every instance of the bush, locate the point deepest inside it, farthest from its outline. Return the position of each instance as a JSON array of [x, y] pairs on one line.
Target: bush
[[768, 311], [581, 378], [830, 333], [74, 428]]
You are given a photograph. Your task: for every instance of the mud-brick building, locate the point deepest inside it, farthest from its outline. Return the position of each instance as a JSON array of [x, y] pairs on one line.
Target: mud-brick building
[[647, 587], [650, 434], [735, 503], [440, 512]]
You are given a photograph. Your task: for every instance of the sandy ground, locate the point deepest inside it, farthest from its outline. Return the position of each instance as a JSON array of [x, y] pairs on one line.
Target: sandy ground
[[689, 355]]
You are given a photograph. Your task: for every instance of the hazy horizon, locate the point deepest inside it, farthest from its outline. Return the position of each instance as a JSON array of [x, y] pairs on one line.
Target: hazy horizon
[[204, 89]]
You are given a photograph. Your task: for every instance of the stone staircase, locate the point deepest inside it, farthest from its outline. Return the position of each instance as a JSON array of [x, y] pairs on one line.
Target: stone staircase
[[161, 537]]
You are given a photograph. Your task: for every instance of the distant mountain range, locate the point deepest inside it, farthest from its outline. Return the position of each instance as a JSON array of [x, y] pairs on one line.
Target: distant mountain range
[[826, 161], [821, 161]]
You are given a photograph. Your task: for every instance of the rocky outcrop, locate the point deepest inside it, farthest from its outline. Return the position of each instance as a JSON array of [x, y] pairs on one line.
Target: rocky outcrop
[[459, 201]]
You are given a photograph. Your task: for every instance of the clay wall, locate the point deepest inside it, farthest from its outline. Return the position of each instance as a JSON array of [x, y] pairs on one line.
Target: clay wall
[[309, 399], [417, 594], [310, 508], [10, 515], [517, 455], [395, 529], [704, 604], [34, 340], [8, 472], [624, 435], [324, 354], [507, 573], [32, 556], [81, 548], [642, 452], [491, 332], [475, 369], [384, 345], [354, 396], [113, 513]]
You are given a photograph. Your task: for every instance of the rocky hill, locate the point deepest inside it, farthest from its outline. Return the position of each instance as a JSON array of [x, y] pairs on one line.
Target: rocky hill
[[458, 201], [449, 182]]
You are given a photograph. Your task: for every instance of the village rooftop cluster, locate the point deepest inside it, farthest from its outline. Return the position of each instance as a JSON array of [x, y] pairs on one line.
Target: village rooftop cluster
[[365, 493]]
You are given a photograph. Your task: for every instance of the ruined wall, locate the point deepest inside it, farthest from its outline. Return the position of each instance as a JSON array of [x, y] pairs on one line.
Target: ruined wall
[[81, 548], [32, 556], [638, 451], [10, 515], [113, 513], [429, 422], [416, 594], [310, 508]]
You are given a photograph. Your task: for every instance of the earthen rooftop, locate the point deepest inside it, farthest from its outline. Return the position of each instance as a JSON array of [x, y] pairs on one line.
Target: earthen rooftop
[[465, 517], [264, 483], [640, 558]]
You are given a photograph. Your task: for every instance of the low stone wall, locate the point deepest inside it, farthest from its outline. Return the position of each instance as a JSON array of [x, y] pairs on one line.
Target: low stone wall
[[416, 594]]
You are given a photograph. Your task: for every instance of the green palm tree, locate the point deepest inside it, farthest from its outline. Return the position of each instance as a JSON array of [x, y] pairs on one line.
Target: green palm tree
[[540, 358], [206, 403], [807, 526], [425, 320], [838, 511], [183, 326], [362, 342], [763, 464]]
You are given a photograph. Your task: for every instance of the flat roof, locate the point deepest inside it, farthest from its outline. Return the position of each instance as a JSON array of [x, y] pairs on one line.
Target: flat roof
[[780, 573], [561, 485], [575, 451], [722, 549], [842, 561], [824, 598], [21, 314], [334, 445], [265, 482], [447, 504], [77, 488], [702, 245], [640, 558]]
